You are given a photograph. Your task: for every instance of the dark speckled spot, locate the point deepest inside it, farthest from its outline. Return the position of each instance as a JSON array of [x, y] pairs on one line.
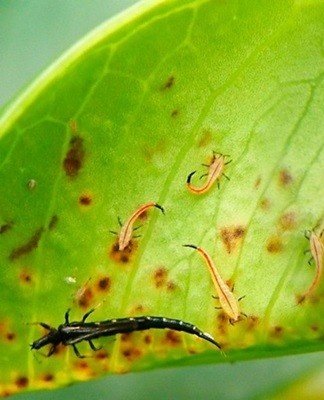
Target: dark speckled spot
[[82, 365], [85, 199], [138, 309], [288, 221], [125, 337], [265, 204], [101, 355], [48, 377], [252, 321], [172, 338], [104, 284], [22, 382], [205, 138], [257, 182], [300, 298], [147, 339], [277, 331], [285, 178], [314, 328], [74, 159], [10, 336], [124, 256], [231, 236], [274, 245], [25, 276], [26, 248], [84, 297], [160, 277], [132, 353], [169, 83], [171, 286], [6, 227], [53, 222]]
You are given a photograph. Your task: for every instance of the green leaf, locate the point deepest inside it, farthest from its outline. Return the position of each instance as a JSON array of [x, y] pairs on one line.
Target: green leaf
[[121, 120]]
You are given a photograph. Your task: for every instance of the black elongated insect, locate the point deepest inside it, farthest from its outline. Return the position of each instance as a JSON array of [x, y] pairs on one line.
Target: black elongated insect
[[71, 333]]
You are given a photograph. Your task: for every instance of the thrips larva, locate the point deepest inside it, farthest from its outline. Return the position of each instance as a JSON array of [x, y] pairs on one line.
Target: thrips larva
[[216, 168], [227, 300], [126, 230], [71, 333]]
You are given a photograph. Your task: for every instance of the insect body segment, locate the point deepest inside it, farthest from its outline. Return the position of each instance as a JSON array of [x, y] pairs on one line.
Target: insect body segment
[[226, 297], [126, 230], [216, 168], [71, 333], [317, 251]]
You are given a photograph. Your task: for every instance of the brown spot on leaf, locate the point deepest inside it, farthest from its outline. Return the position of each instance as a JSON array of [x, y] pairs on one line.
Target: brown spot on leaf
[[6, 227], [171, 286], [252, 321], [274, 245], [132, 354], [160, 277], [104, 284], [74, 158], [150, 151], [147, 339], [174, 113], [125, 255], [125, 337], [82, 365], [265, 204], [223, 323], [85, 199], [231, 236], [277, 331], [84, 298], [53, 222], [169, 83], [172, 338], [10, 336], [301, 298], [48, 377], [222, 317], [137, 309], [22, 382], [25, 276], [257, 182], [101, 354], [288, 221], [205, 138], [314, 328], [58, 349], [27, 247], [230, 284], [285, 177]]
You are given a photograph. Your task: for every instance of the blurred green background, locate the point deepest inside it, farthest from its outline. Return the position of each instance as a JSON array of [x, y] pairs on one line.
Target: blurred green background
[[33, 34]]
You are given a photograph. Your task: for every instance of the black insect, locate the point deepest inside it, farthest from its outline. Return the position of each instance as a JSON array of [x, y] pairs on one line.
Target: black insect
[[71, 333]]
